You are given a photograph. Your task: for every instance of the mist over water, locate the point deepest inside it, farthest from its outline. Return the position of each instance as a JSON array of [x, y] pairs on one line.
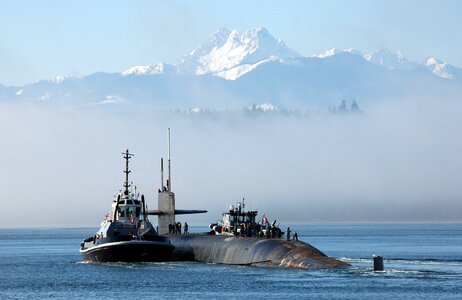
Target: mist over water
[[397, 161]]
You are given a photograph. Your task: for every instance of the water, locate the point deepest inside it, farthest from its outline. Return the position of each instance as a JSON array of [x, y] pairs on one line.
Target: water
[[421, 261]]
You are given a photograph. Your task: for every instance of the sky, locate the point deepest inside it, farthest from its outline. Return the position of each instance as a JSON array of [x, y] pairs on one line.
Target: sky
[[45, 39]]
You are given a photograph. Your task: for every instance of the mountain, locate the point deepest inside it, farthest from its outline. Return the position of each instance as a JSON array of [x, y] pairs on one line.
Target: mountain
[[238, 55], [442, 69], [158, 69], [391, 60], [335, 51], [235, 70], [5, 93], [226, 54], [189, 63]]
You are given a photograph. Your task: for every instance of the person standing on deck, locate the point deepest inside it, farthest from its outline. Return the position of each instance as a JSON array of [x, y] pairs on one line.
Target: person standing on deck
[[296, 237]]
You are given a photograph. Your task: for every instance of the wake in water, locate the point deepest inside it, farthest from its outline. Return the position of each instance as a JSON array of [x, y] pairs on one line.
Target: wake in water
[[443, 262], [401, 267], [137, 265]]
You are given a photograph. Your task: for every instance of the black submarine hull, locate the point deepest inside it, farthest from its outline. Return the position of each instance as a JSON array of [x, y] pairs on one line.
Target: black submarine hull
[[129, 251], [232, 250]]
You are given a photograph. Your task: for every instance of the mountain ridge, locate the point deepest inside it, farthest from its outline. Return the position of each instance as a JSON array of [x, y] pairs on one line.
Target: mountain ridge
[[233, 69]]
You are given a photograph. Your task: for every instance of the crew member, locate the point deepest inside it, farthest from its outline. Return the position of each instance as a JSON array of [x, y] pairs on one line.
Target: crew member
[[186, 227], [288, 233], [178, 227]]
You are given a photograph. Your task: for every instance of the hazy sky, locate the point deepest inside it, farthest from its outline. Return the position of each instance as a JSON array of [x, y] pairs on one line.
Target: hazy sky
[[44, 39]]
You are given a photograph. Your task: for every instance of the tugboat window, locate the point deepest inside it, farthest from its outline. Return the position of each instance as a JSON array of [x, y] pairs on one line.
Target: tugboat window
[[131, 211], [121, 212]]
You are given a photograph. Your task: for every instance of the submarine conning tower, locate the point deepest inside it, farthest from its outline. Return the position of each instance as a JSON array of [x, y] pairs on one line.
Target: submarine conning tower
[[166, 198], [166, 209]]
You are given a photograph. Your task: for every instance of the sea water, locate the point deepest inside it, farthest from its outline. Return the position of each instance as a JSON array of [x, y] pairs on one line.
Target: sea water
[[421, 261]]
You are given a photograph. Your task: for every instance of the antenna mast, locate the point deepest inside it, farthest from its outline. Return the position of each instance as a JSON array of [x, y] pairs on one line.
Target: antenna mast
[[161, 174], [127, 156], [169, 187]]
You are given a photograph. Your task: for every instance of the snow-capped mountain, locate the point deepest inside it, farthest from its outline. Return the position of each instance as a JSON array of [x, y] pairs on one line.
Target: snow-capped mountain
[[189, 63], [59, 79], [243, 50], [442, 69], [228, 54], [233, 69], [231, 54], [391, 60], [158, 69], [335, 51]]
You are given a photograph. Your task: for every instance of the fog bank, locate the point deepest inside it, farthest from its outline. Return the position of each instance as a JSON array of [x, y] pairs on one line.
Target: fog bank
[[397, 161]]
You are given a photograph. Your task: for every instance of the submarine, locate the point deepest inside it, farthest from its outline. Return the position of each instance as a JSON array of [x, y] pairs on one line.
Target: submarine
[[237, 240], [126, 234]]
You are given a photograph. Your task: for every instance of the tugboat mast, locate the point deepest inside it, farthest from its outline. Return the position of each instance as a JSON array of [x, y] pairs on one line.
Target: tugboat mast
[[127, 156]]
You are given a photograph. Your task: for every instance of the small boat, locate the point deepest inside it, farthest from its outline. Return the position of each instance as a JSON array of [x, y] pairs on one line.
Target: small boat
[[239, 222], [126, 235]]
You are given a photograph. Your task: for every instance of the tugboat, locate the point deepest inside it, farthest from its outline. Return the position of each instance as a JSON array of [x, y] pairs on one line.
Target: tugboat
[[126, 235]]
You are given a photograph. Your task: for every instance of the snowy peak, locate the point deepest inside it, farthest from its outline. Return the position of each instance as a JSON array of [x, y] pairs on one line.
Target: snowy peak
[[442, 69], [188, 64], [157, 69], [437, 67], [238, 50], [59, 79], [215, 40], [219, 37], [327, 53], [390, 60], [335, 51], [431, 61]]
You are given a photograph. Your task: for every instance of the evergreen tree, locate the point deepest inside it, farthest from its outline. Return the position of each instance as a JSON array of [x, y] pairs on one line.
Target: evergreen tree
[[354, 107]]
